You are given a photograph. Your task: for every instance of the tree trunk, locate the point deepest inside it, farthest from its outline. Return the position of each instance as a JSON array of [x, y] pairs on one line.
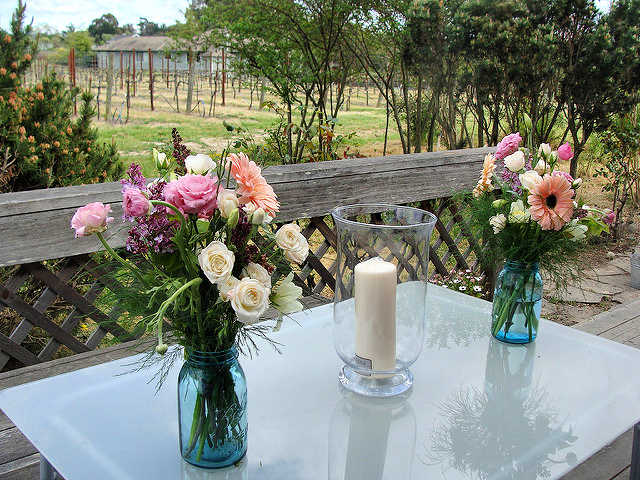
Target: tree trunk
[[107, 106]]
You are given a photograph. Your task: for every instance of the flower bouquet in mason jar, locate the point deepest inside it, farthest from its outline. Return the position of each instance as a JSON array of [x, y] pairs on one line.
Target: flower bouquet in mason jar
[[527, 212], [203, 265]]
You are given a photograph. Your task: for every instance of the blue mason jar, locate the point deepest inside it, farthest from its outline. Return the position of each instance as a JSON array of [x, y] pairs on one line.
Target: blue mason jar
[[517, 302], [212, 408]]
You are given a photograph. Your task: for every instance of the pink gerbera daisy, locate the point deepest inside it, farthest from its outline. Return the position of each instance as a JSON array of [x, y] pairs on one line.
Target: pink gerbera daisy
[[252, 186], [552, 202]]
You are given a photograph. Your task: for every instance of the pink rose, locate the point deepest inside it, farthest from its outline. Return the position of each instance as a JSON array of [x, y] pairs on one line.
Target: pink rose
[[135, 203], [193, 194], [90, 219], [508, 145], [564, 152]]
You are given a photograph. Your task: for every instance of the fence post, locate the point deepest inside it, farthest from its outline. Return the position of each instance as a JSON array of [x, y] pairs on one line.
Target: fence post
[[121, 71], [133, 78], [151, 77], [72, 76], [224, 77], [107, 106], [190, 80]]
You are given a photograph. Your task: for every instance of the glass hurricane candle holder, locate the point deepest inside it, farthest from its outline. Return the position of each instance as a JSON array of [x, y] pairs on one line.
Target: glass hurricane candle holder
[[380, 304]]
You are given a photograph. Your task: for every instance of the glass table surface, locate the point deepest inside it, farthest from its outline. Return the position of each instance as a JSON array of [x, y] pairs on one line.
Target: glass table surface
[[479, 409]]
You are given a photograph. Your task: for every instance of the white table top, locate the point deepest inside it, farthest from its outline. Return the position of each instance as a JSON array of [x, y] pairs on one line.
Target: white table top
[[567, 395]]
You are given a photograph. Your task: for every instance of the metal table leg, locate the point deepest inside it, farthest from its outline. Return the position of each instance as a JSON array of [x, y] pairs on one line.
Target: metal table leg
[[46, 470], [634, 474]]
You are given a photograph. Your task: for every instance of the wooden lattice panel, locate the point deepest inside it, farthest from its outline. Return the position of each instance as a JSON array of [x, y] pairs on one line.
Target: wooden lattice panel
[[60, 312]]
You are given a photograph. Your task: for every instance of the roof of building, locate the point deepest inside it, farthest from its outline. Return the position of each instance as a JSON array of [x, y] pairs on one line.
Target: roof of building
[[135, 42]]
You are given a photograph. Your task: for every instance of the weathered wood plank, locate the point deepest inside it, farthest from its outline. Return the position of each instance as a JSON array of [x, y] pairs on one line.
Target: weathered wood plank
[[305, 191], [14, 445], [17, 351], [607, 463], [74, 362], [25, 468]]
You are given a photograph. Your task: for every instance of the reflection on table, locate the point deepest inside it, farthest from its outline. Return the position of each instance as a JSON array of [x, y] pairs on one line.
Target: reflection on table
[[482, 433], [371, 438]]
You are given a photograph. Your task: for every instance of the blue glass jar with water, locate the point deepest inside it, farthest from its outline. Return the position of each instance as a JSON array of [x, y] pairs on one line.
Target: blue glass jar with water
[[212, 408], [517, 302]]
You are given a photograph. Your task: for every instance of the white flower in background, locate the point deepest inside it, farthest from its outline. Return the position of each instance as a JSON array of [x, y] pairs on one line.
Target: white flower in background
[[249, 299], [227, 202], [257, 272], [498, 222], [216, 261], [519, 213], [576, 231], [462, 288], [541, 167], [515, 161], [160, 159], [258, 216], [477, 288], [576, 183], [545, 149], [292, 243], [286, 296], [226, 286], [199, 164], [530, 179]]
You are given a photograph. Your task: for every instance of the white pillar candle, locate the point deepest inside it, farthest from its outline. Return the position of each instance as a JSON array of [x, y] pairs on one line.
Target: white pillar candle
[[375, 298]]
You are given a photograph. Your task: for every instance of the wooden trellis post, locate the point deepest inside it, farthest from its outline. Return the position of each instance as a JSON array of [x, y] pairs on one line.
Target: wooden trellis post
[[151, 77], [107, 106], [72, 76], [134, 74], [224, 78]]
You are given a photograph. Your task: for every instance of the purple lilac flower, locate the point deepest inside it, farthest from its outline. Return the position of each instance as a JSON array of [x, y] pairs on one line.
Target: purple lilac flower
[[134, 179], [513, 178], [154, 232]]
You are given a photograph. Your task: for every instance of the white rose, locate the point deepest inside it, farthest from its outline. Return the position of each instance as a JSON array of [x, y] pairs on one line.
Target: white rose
[[199, 164], [576, 183], [292, 243], [258, 272], [515, 161], [541, 167], [226, 286], [216, 261], [530, 179], [545, 149], [160, 159], [518, 213], [227, 202], [498, 222], [249, 299]]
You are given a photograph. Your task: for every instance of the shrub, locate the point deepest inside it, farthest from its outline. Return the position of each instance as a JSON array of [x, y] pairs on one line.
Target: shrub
[[41, 144]]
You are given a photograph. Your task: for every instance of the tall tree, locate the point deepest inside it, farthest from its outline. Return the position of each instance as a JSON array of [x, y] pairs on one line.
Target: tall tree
[[107, 24]]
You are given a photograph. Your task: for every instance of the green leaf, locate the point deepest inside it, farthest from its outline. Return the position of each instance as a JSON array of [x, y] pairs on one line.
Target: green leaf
[[594, 226]]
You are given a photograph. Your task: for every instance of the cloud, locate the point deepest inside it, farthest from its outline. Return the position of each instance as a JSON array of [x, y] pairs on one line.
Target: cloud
[[60, 13]]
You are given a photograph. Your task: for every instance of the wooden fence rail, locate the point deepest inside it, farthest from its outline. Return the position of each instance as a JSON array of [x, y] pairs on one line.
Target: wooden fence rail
[[48, 289]]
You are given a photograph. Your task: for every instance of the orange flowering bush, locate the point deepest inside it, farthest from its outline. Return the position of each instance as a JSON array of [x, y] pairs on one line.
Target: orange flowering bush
[[35, 153]]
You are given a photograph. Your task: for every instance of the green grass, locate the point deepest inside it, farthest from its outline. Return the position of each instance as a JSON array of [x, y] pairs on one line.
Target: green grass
[[147, 129]]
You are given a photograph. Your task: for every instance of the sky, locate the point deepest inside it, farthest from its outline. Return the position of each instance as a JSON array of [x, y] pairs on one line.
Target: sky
[[59, 13]]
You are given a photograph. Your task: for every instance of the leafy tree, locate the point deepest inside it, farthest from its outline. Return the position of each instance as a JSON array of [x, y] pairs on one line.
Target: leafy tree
[[599, 78], [149, 28], [107, 24], [298, 46]]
